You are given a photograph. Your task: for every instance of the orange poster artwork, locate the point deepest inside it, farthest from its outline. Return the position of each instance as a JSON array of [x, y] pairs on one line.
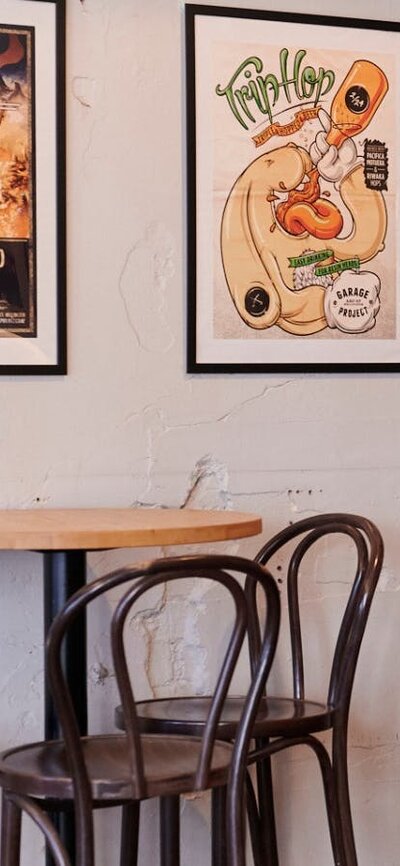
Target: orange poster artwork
[[293, 202], [17, 247]]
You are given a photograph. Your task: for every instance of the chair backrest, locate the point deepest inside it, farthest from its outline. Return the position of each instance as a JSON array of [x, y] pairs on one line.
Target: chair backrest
[[369, 548], [221, 569]]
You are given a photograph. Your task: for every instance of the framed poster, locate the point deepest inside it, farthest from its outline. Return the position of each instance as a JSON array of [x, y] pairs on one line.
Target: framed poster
[[32, 181], [292, 143]]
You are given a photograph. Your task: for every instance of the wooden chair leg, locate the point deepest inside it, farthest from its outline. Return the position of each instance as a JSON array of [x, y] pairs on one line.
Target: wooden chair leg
[[254, 823], [130, 834], [341, 780], [219, 854], [267, 811], [335, 829], [169, 831], [10, 832], [332, 804], [42, 820]]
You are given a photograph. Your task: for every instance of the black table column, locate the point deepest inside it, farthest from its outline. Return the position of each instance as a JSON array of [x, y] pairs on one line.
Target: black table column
[[64, 574]]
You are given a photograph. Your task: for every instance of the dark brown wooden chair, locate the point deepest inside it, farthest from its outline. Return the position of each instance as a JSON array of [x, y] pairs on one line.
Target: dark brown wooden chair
[[85, 773], [283, 722]]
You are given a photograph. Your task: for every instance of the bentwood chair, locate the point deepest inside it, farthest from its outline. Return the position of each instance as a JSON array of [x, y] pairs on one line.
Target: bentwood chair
[[123, 769], [287, 721]]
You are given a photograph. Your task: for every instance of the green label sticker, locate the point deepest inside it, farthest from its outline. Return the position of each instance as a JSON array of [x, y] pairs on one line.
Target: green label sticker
[[310, 258], [338, 267]]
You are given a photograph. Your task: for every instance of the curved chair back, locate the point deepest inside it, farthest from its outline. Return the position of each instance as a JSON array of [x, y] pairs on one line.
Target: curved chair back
[[141, 579], [369, 548]]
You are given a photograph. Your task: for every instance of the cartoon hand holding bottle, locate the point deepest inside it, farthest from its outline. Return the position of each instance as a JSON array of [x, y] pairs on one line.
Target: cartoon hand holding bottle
[[333, 152], [332, 162]]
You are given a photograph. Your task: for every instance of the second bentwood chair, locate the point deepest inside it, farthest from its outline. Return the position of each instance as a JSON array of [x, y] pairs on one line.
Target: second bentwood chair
[[123, 769], [283, 722]]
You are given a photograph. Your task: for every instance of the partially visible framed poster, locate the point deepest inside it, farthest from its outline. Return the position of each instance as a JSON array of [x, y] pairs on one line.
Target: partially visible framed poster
[[32, 187], [293, 208]]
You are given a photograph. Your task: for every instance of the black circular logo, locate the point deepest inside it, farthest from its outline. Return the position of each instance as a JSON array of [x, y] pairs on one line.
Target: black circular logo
[[357, 99], [256, 301]]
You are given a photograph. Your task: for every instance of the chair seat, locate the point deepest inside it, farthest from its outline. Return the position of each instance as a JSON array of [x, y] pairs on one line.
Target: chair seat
[[40, 769], [276, 717]]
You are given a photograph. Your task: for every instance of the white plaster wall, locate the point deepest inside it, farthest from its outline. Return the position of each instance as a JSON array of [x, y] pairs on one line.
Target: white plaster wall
[[128, 426]]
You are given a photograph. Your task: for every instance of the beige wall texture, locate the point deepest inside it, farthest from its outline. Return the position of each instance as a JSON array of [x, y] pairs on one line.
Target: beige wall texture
[[128, 426]]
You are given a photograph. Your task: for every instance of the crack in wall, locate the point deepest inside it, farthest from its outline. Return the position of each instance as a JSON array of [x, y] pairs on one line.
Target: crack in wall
[[123, 270], [226, 416], [146, 622], [175, 657], [149, 262], [208, 486]]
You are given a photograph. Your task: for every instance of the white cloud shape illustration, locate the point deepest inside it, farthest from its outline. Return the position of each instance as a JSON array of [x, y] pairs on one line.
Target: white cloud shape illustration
[[352, 302]]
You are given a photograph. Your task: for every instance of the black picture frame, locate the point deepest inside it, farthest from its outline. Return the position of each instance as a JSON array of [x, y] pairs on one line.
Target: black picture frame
[[209, 33], [33, 338]]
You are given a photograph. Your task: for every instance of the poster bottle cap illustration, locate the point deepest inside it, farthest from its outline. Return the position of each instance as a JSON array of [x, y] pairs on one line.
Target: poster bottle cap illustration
[[356, 101]]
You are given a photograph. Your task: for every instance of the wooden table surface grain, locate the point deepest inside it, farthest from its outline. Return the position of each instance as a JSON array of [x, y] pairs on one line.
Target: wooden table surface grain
[[107, 528]]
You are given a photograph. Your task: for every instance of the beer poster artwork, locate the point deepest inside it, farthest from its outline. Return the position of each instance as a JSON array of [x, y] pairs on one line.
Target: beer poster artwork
[[32, 188], [17, 251], [295, 130]]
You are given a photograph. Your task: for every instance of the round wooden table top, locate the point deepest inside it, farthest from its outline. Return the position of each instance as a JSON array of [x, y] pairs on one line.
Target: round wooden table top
[[110, 528]]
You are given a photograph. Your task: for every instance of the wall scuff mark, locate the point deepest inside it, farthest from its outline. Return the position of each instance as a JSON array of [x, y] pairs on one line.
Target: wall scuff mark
[[83, 89], [99, 673]]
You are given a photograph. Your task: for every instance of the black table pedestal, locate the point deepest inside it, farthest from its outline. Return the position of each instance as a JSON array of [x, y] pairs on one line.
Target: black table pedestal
[[64, 574]]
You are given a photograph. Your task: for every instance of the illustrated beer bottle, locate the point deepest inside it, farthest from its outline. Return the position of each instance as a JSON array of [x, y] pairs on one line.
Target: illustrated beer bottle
[[356, 101]]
